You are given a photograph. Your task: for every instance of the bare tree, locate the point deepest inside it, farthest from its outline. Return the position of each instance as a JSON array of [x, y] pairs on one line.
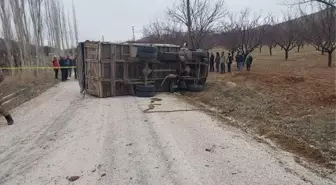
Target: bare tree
[[164, 32], [328, 3], [27, 32], [53, 8], [287, 34], [71, 36], [65, 32], [35, 7], [75, 23], [204, 14], [270, 34], [230, 39], [7, 30], [320, 30], [250, 30], [18, 14]]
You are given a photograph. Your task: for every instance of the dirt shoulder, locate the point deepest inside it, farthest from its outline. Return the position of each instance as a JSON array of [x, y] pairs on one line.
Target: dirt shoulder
[[294, 109], [18, 89]]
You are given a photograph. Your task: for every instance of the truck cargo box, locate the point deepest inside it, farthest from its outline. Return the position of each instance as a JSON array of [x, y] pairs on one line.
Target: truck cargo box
[[109, 69]]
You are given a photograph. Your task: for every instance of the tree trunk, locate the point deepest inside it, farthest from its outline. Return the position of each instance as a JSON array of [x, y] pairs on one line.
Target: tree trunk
[[322, 52], [260, 49], [298, 48], [270, 51], [329, 59], [281, 48], [286, 54], [190, 45]]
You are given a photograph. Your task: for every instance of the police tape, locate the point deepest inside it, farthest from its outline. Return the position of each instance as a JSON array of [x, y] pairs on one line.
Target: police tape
[[37, 67]]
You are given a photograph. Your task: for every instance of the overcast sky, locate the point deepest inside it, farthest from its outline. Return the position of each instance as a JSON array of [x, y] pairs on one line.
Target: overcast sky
[[114, 18]]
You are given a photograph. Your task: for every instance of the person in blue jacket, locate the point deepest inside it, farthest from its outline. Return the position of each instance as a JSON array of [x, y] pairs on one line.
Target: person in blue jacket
[[240, 61]]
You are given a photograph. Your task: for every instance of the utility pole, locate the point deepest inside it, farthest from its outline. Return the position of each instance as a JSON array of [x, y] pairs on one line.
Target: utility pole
[[103, 38], [133, 34]]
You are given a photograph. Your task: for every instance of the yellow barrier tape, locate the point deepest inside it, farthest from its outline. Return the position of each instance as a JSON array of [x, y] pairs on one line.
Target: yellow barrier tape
[[21, 68]]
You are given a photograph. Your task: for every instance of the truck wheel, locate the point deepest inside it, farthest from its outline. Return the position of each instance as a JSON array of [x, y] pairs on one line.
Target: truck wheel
[[145, 88], [144, 94], [195, 88], [202, 81]]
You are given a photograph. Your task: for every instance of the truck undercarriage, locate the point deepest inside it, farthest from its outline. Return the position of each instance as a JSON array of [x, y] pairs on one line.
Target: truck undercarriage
[[108, 69]]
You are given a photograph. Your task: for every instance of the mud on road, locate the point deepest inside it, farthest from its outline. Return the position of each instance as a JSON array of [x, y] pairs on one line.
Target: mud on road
[[60, 138]]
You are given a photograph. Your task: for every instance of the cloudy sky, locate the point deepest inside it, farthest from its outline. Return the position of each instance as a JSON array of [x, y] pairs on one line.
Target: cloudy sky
[[114, 19]]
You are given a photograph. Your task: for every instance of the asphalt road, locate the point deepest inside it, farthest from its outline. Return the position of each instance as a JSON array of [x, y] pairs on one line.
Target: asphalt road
[[59, 137]]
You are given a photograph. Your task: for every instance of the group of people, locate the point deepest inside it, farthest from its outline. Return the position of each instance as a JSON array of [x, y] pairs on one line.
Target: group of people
[[219, 63], [65, 64]]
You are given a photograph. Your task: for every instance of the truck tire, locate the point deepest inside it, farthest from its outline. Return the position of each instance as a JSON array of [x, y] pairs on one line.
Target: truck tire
[[147, 49], [195, 88], [144, 94], [145, 88], [205, 60], [202, 81], [199, 54], [147, 52]]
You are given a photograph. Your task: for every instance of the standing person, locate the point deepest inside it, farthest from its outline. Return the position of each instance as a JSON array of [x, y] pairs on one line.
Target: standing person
[[217, 61], [56, 67], [249, 60], [3, 111], [237, 59], [222, 62], [212, 62], [229, 62], [64, 71], [69, 65], [74, 65], [240, 61]]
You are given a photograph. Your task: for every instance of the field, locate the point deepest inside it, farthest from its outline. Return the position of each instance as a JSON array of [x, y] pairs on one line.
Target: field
[[290, 102]]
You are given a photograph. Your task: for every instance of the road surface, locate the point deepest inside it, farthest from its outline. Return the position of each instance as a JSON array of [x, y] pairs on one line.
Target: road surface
[[59, 137]]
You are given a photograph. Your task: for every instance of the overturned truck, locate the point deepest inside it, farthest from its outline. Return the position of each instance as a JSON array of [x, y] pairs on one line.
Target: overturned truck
[[108, 69]]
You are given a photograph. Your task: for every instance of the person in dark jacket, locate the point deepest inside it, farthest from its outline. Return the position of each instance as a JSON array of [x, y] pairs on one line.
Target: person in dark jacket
[[222, 62], [240, 61], [217, 61], [229, 62], [3, 111], [64, 71], [212, 62], [69, 65]]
